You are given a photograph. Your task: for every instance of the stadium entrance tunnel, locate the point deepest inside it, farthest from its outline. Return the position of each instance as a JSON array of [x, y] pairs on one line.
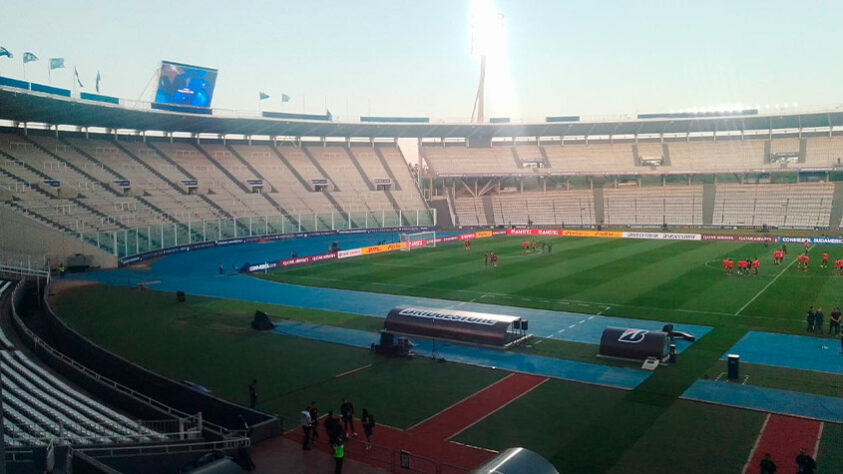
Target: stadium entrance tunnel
[[516, 461], [486, 329]]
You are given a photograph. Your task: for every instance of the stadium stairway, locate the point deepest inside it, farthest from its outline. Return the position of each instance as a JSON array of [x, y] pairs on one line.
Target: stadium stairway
[[117, 176], [836, 206], [321, 170], [709, 193], [147, 167], [386, 167], [598, 203], [255, 172], [488, 210], [359, 168], [443, 213]]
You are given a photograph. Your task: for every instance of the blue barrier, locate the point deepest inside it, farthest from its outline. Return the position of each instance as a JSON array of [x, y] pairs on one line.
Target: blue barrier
[[100, 98]]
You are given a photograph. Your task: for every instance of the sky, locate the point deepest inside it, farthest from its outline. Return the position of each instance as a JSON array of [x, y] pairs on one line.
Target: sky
[[595, 59]]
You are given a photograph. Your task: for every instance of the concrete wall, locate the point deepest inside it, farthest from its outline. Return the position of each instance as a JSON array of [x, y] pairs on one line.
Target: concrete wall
[[24, 235]]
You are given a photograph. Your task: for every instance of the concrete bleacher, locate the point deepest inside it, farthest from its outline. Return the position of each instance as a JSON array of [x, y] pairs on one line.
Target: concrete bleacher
[[189, 182], [569, 208], [38, 406], [722, 156], [592, 158], [634, 205], [459, 159], [797, 205]]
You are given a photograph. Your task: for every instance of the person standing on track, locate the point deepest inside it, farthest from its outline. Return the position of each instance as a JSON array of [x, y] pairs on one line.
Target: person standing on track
[[805, 463], [368, 422], [767, 465], [306, 427], [347, 411]]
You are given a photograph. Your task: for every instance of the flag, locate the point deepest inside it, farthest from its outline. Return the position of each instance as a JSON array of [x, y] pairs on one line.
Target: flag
[[55, 63], [263, 95], [29, 57], [285, 98], [76, 74], [99, 78], [5, 52]]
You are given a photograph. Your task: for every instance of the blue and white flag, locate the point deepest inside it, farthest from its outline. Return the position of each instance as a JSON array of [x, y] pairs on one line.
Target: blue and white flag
[[263, 95], [78, 81], [55, 63], [285, 98], [5, 52], [29, 57]]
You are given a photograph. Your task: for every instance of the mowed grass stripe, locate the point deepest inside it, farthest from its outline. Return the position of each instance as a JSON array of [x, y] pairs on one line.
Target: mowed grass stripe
[[612, 434], [571, 275], [700, 286], [792, 293], [650, 274]]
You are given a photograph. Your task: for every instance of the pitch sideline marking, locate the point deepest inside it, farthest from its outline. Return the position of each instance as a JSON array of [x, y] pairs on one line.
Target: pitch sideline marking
[[767, 286], [819, 437]]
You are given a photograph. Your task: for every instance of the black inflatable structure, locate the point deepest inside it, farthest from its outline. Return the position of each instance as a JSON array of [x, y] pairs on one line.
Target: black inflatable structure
[[261, 322], [634, 344]]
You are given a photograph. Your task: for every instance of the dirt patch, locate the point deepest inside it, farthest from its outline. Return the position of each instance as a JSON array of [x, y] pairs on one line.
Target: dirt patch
[[60, 286]]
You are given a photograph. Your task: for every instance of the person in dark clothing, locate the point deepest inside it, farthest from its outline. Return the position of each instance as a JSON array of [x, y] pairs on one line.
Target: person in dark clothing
[[347, 411], [253, 393], [221, 270], [818, 320], [333, 429], [834, 322], [805, 463], [368, 422], [314, 419], [810, 319], [767, 465]]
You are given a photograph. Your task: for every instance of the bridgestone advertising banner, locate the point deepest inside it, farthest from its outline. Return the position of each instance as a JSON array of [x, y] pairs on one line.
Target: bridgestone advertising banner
[[469, 326]]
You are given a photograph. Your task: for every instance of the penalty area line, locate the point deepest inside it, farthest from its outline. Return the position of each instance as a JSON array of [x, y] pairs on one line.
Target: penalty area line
[[765, 287]]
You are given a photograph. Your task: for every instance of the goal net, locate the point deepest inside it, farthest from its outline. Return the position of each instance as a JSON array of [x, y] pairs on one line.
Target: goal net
[[419, 240]]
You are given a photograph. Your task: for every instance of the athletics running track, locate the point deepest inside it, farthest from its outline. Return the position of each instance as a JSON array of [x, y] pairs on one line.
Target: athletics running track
[[428, 441]]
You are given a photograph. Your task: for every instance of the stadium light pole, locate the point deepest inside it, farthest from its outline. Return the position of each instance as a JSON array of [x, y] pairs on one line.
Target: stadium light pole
[[486, 31]]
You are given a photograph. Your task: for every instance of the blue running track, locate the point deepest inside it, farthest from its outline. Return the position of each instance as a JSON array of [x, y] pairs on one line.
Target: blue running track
[[615, 377], [793, 352], [767, 399], [197, 273]]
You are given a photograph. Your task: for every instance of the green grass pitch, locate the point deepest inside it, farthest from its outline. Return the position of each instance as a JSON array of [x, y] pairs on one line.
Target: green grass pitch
[[580, 428]]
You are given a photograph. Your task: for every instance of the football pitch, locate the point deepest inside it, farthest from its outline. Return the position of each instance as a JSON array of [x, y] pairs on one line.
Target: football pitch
[[581, 428]]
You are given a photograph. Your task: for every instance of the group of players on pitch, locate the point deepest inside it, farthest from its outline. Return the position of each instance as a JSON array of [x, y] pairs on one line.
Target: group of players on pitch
[[802, 260]]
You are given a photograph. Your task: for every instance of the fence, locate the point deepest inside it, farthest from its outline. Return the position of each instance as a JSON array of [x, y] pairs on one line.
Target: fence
[[128, 242]]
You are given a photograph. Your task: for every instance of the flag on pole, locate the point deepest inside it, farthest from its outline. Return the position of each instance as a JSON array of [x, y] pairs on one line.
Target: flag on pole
[[56, 63], [5, 52], [29, 57], [99, 78], [76, 75], [263, 96], [285, 98]]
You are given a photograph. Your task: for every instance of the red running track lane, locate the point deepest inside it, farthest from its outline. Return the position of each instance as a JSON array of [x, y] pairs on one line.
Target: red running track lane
[[428, 441], [783, 437]]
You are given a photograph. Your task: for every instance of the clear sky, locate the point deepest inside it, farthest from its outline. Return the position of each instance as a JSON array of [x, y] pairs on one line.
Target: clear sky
[[413, 58]]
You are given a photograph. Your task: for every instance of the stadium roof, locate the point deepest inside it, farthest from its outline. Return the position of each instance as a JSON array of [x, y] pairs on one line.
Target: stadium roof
[[35, 107]]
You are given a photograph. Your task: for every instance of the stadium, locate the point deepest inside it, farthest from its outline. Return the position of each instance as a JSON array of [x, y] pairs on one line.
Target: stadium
[[188, 289]]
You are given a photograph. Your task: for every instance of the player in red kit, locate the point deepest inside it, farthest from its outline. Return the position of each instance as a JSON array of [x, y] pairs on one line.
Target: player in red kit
[[824, 264], [725, 265], [806, 245], [805, 263], [755, 265]]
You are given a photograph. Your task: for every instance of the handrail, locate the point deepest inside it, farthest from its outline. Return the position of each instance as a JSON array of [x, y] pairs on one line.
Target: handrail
[[169, 448], [137, 396]]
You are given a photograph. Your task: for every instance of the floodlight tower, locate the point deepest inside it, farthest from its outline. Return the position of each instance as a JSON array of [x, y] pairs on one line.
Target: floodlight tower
[[486, 30]]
